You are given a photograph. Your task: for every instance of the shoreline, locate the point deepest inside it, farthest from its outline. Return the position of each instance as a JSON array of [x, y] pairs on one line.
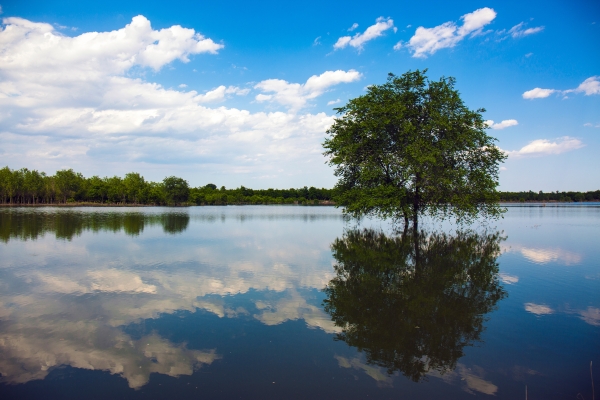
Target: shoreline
[[100, 205]]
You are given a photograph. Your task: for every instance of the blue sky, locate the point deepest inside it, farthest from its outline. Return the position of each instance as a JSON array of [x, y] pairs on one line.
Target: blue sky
[[242, 94]]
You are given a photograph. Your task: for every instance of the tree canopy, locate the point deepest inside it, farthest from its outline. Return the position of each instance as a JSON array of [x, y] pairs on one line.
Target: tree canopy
[[411, 147]]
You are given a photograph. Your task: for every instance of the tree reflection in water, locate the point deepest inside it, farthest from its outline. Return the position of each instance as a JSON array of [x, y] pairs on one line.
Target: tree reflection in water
[[29, 225], [412, 302]]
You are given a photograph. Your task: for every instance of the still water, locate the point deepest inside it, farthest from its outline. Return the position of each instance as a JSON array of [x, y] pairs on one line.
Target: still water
[[296, 302]]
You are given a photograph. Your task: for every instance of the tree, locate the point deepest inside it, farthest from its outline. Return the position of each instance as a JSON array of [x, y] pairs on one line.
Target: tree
[[411, 147], [34, 184], [116, 189], [97, 188], [177, 189], [68, 183], [413, 302], [134, 186]]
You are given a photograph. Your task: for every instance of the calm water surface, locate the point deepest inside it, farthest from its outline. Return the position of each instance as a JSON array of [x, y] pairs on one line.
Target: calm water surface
[[296, 302]]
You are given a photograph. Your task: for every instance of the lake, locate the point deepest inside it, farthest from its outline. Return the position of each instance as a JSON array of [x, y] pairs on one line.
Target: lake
[[293, 302]]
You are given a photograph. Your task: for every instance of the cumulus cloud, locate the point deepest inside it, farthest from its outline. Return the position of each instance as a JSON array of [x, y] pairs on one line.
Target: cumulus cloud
[[538, 93], [74, 100], [374, 31], [112, 52], [426, 41], [519, 30], [332, 102], [296, 95], [353, 27], [543, 147], [589, 87], [501, 125], [220, 93]]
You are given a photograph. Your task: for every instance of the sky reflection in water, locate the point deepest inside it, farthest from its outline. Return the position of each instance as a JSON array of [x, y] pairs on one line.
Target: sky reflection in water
[[141, 295]]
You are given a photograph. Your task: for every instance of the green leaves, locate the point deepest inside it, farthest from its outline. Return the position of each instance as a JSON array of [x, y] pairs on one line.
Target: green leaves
[[409, 147]]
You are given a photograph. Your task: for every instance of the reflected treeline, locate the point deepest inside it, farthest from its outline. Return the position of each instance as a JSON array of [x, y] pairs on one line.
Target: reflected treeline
[[66, 225], [411, 302]]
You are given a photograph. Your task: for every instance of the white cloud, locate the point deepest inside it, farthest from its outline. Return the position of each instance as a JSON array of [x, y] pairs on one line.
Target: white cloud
[[517, 31], [538, 93], [332, 102], [589, 87], [219, 94], [183, 86], [538, 309], [501, 125], [543, 147], [353, 27], [67, 101], [296, 95], [317, 41], [97, 52], [590, 125], [374, 31], [427, 41]]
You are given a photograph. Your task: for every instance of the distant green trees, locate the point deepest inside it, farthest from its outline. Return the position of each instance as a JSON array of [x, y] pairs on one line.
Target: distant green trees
[[26, 186], [550, 196]]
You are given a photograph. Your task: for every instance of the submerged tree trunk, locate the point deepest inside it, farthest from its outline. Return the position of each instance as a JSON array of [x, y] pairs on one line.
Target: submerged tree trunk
[[416, 203]]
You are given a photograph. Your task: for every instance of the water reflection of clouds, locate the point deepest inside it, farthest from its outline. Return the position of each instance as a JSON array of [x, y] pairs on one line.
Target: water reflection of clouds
[[538, 309], [545, 255], [470, 379], [379, 374], [83, 291], [29, 352], [107, 280], [591, 315], [508, 279], [294, 307]]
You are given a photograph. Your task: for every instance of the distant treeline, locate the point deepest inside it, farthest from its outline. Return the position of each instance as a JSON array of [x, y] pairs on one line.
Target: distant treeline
[[26, 186], [550, 196]]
